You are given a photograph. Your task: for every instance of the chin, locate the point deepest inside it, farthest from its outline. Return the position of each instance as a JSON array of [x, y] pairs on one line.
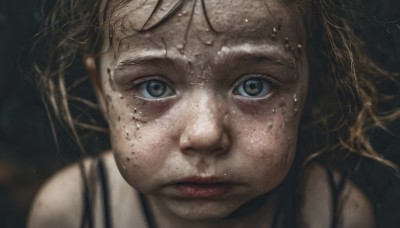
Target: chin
[[202, 210]]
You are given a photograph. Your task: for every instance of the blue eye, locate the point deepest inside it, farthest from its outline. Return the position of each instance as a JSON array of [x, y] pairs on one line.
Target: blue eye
[[253, 87], [155, 89]]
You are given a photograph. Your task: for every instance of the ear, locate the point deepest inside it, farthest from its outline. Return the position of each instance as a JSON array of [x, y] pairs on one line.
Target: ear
[[94, 75]]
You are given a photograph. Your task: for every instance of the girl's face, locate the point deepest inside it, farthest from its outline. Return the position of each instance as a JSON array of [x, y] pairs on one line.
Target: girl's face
[[204, 120]]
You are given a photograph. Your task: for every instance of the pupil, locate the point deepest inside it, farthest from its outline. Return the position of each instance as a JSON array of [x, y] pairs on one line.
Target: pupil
[[253, 87], [156, 88]]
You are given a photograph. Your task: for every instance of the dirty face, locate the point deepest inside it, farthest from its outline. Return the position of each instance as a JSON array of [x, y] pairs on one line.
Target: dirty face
[[204, 108]]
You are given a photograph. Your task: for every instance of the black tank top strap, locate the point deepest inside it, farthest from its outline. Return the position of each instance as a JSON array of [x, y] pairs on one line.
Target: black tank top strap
[[336, 192], [105, 194], [151, 223], [97, 172]]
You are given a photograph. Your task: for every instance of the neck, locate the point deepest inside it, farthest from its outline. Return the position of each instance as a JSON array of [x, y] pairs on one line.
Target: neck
[[258, 212]]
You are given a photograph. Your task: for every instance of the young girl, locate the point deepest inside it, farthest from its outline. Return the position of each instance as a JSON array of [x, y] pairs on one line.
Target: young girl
[[220, 114]]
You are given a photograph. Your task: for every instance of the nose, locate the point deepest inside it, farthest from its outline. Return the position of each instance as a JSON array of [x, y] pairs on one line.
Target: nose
[[206, 130]]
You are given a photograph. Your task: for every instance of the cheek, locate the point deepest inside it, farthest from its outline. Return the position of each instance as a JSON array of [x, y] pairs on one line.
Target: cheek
[[140, 150], [268, 145]]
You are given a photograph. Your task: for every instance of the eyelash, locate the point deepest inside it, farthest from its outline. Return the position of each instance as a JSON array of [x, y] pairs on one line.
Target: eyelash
[[274, 86], [137, 85]]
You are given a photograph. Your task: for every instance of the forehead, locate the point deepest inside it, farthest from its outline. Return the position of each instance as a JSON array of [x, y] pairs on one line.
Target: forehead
[[236, 17]]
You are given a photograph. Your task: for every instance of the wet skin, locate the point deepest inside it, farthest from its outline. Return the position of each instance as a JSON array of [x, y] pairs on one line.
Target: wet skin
[[201, 121]]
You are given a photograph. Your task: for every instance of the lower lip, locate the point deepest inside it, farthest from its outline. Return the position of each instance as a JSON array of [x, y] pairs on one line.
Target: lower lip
[[196, 190]]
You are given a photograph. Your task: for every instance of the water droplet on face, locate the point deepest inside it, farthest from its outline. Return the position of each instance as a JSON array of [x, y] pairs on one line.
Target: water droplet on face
[[179, 46], [208, 42], [295, 110], [179, 15], [295, 98], [246, 20], [273, 110]]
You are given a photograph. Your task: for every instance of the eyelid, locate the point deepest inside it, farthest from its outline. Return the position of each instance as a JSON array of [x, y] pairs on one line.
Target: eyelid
[[136, 84], [245, 77]]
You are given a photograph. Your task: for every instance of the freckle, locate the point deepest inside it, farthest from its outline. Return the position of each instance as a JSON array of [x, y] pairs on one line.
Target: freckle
[[119, 118], [287, 47], [128, 159], [281, 104], [108, 97], [273, 37], [286, 40], [121, 97], [270, 126], [108, 70]]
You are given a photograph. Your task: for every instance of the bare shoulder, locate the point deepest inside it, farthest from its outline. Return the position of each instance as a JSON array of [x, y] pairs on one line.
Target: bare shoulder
[[58, 202], [317, 207]]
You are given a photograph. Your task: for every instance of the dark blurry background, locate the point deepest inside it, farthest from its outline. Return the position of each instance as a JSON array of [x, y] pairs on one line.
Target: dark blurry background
[[28, 154]]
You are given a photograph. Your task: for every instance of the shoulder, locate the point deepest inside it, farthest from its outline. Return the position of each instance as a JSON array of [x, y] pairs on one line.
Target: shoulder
[[59, 195], [60, 200], [355, 209]]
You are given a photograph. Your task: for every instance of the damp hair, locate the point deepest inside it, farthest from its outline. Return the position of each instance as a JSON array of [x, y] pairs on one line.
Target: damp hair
[[344, 103]]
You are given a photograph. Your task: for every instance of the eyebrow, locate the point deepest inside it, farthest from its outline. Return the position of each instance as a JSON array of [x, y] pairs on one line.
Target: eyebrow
[[150, 58], [253, 54]]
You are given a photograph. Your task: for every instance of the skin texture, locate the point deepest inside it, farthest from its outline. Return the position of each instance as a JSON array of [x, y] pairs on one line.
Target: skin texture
[[204, 127]]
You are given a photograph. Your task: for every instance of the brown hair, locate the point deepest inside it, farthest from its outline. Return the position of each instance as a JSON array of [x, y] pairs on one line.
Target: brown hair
[[342, 107]]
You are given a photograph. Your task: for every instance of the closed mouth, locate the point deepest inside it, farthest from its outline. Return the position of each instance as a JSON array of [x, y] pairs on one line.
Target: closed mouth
[[203, 188]]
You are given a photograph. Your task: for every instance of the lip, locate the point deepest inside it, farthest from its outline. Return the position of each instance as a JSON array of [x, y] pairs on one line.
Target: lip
[[203, 187]]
